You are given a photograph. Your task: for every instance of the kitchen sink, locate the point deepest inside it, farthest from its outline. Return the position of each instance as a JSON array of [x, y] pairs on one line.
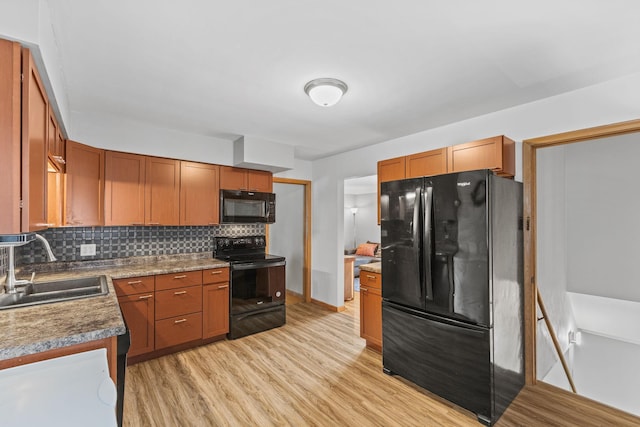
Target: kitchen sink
[[55, 291]]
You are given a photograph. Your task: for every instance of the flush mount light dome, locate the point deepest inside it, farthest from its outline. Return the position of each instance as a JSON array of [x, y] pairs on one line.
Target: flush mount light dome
[[325, 92]]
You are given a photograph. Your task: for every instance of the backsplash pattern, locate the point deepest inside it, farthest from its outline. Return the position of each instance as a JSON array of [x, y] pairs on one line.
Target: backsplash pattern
[[128, 241], [4, 259]]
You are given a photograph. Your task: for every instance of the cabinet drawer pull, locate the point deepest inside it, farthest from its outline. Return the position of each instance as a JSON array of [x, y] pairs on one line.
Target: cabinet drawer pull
[[180, 293], [145, 296], [137, 223], [371, 277], [154, 223], [223, 286], [364, 289], [135, 282], [180, 321], [217, 272], [182, 276]]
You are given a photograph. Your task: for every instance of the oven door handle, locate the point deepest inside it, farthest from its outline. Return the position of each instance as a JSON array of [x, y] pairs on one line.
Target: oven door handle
[[258, 264]]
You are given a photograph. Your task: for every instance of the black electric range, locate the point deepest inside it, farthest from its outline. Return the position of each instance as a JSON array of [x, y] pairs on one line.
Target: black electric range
[[258, 285]]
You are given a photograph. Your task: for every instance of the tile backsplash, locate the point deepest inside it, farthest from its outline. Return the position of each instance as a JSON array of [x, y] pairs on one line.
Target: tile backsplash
[[4, 259], [128, 241]]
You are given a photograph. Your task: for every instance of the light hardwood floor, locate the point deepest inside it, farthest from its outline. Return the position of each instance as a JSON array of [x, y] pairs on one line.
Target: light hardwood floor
[[314, 371]]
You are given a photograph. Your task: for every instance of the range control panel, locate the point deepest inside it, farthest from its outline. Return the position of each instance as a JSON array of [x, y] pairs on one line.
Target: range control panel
[[239, 243]]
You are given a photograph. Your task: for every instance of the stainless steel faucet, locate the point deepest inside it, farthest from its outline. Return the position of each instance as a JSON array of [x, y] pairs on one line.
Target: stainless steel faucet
[[44, 241], [10, 242]]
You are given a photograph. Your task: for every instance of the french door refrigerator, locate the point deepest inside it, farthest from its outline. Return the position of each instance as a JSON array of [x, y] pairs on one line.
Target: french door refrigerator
[[452, 279]]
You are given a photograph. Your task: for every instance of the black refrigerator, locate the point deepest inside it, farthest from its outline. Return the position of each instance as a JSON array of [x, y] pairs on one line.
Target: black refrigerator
[[452, 287]]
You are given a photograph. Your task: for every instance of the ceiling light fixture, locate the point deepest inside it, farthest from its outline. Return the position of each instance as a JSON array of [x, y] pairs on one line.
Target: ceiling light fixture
[[325, 92]]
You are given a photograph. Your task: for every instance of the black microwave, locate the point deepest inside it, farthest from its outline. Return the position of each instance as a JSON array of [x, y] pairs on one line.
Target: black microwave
[[247, 207]]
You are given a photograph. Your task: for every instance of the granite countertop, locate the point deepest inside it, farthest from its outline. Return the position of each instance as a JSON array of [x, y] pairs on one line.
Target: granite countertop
[[374, 267], [34, 329]]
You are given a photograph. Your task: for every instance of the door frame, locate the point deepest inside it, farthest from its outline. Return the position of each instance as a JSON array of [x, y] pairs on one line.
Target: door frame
[[529, 150], [306, 267]]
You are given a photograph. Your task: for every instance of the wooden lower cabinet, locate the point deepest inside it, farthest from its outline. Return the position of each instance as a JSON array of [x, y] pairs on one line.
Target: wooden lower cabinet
[[172, 312], [178, 330], [215, 303], [138, 312], [371, 309]]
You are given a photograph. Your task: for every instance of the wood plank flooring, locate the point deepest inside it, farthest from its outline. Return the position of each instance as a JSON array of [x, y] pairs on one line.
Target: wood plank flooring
[[314, 371]]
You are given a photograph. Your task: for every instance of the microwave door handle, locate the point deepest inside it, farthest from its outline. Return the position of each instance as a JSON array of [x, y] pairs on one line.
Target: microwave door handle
[[427, 242]]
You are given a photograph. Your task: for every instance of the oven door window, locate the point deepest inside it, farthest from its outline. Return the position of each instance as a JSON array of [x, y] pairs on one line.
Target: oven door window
[[257, 288]]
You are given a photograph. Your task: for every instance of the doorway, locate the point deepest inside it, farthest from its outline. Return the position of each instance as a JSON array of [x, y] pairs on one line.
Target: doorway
[[290, 235]]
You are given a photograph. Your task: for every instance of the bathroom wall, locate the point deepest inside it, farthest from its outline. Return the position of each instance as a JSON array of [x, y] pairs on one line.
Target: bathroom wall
[[121, 242]]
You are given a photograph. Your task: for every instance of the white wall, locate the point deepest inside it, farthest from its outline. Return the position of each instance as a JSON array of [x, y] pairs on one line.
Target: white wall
[[551, 255], [286, 236], [609, 102], [366, 222], [604, 370], [29, 22], [603, 228]]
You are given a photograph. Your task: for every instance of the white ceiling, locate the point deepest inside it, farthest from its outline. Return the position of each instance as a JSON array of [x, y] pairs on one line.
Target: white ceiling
[[226, 69]]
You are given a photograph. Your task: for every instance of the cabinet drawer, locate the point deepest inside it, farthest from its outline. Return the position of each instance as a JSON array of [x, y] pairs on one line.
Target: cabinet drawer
[[179, 301], [215, 275], [134, 285], [178, 330], [372, 280], [178, 280]]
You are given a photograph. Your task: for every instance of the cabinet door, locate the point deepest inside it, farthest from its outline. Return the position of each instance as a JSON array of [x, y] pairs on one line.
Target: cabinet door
[[497, 154], [162, 191], [199, 194], [433, 162], [10, 99], [371, 316], [259, 181], [138, 312], [215, 310], [124, 188], [35, 124], [84, 185], [390, 170], [233, 178]]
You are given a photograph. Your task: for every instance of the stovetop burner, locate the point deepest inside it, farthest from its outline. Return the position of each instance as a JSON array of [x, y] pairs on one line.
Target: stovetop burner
[[238, 250]]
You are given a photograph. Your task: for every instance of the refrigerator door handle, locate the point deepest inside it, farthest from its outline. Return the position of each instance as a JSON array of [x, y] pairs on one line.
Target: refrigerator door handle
[[426, 244], [416, 231]]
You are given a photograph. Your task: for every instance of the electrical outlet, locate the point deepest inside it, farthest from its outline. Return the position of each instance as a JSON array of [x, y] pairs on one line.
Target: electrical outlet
[[88, 250]]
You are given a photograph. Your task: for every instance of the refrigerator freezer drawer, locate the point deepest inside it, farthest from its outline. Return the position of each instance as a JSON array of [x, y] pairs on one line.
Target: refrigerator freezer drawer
[[447, 358]]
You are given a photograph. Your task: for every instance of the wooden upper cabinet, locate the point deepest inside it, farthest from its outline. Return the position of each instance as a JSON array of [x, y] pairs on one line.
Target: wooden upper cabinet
[[245, 179], [259, 181], [162, 191], [84, 185], [433, 162], [390, 170], [199, 194], [10, 100], [496, 153], [35, 124], [55, 143], [124, 188]]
